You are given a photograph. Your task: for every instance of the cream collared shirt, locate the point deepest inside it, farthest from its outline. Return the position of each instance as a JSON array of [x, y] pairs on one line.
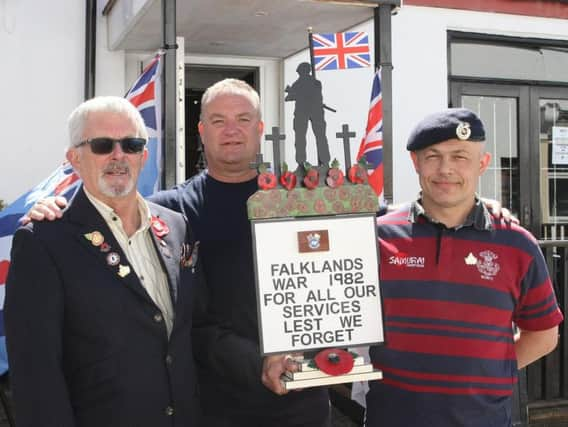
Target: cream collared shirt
[[141, 254]]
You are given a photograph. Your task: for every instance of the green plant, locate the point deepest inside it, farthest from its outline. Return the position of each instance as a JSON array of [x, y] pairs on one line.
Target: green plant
[[2, 204]]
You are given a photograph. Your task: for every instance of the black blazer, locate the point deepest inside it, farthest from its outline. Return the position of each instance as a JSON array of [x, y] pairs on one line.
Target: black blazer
[[86, 344]]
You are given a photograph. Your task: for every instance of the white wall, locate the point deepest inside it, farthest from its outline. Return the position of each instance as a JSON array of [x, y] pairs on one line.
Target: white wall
[[42, 45], [41, 81], [420, 78], [110, 66], [420, 84]]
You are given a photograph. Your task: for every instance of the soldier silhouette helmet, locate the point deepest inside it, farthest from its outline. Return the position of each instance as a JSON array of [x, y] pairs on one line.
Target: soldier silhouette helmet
[[304, 68]]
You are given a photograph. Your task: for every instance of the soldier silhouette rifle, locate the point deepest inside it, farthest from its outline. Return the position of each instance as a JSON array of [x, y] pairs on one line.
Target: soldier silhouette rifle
[[306, 91], [328, 108]]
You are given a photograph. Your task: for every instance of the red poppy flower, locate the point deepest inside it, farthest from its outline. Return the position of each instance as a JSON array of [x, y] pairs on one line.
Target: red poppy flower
[[311, 179], [288, 180], [334, 361], [358, 174], [159, 227], [266, 180], [334, 178]]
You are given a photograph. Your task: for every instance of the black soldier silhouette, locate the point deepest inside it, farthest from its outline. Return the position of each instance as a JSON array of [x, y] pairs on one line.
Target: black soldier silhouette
[[307, 92]]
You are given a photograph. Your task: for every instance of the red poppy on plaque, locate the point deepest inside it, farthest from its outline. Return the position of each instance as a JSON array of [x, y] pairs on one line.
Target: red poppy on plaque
[[159, 227], [334, 361]]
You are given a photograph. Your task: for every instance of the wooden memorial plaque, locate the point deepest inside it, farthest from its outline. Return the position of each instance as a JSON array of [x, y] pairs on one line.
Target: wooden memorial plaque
[[317, 275]]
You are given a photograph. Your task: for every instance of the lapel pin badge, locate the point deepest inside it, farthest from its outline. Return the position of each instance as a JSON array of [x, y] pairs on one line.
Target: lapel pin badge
[[123, 270], [96, 238], [189, 254], [113, 258]]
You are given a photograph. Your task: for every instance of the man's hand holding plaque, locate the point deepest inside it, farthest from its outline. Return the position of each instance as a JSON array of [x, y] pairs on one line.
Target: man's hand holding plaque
[[274, 367]]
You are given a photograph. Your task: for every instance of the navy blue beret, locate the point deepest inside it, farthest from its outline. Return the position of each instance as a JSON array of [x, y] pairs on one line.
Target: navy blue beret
[[453, 123]]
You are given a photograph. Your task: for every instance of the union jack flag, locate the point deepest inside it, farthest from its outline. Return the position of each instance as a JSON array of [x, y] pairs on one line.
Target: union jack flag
[[372, 144], [145, 95], [341, 50], [64, 181]]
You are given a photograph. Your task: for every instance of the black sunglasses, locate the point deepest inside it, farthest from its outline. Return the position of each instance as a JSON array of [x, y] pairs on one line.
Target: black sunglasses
[[105, 145]]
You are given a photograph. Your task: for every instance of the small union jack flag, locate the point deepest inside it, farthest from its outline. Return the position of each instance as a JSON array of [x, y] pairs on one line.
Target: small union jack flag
[[372, 144], [341, 50]]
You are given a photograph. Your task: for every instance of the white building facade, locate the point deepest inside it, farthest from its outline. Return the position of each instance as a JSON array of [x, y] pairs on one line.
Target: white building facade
[[43, 80]]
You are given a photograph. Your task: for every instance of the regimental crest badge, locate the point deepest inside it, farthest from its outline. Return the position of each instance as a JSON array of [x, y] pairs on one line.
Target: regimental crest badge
[[313, 240], [487, 265], [463, 131]]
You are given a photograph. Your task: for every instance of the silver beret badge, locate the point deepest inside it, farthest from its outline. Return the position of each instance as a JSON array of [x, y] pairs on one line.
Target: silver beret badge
[[463, 131]]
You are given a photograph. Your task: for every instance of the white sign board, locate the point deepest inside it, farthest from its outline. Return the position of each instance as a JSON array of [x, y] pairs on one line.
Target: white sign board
[[559, 145], [317, 283]]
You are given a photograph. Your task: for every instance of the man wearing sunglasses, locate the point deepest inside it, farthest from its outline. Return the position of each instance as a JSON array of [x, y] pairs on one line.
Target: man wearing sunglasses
[[98, 304], [239, 388]]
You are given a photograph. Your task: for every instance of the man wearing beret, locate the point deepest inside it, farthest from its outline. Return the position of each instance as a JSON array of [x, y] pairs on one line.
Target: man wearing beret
[[454, 280]]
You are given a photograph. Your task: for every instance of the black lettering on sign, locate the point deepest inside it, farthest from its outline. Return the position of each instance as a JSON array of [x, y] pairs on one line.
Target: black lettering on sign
[[354, 321], [319, 295], [321, 338], [279, 298], [283, 283]]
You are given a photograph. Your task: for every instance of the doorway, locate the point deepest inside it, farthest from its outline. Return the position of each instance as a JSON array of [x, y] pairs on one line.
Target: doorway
[[197, 79], [527, 136]]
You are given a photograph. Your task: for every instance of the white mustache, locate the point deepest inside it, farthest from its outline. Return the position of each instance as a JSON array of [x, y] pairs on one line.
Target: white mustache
[[117, 167]]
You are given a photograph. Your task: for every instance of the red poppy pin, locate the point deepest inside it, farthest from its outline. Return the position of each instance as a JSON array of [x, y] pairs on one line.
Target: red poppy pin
[[334, 361], [159, 227]]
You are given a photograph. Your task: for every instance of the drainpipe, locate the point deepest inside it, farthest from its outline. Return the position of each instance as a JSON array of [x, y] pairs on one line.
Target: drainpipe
[[90, 48], [169, 99], [383, 58]]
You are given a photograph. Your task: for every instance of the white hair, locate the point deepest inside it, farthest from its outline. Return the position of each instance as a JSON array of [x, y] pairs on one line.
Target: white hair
[[106, 104]]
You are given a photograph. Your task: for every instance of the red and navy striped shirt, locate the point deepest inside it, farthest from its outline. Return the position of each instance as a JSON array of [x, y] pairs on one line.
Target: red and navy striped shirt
[[450, 298]]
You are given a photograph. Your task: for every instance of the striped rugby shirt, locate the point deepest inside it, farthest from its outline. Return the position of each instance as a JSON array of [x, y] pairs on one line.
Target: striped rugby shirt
[[450, 297]]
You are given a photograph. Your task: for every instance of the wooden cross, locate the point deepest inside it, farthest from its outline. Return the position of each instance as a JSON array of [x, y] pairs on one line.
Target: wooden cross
[[346, 136], [275, 137], [258, 162]]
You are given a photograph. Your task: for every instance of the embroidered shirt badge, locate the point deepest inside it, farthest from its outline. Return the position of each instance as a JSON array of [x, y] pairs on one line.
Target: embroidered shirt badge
[[488, 267]]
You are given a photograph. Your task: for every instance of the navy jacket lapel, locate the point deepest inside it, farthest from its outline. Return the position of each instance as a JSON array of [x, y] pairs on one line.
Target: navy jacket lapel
[[169, 257], [91, 228]]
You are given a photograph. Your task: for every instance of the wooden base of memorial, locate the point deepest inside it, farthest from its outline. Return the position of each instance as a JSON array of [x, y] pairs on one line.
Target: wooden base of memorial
[[310, 376]]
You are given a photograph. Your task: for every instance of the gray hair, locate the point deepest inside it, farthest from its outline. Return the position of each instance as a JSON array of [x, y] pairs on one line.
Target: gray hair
[[105, 104], [231, 87]]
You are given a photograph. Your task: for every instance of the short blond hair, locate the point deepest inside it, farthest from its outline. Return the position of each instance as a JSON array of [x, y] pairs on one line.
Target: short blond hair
[[231, 87]]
